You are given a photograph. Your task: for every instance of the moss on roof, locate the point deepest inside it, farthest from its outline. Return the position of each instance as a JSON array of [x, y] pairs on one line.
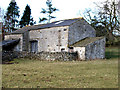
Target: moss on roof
[[86, 41]]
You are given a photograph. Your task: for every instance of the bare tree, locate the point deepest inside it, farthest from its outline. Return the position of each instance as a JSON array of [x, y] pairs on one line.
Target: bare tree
[[92, 18], [119, 11], [107, 16]]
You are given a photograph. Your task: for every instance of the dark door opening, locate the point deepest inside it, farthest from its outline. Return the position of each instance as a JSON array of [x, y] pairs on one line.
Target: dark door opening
[[34, 46]]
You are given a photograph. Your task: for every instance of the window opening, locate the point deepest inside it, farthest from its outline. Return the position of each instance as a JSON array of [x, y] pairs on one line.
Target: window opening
[[34, 46], [59, 31], [65, 29], [62, 49], [70, 47]]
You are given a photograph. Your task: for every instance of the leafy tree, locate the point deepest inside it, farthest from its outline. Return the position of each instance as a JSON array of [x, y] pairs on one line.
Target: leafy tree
[[48, 11], [26, 18], [11, 17]]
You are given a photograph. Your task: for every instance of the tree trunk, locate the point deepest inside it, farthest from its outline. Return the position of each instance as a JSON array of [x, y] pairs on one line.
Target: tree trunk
[[111, 38]]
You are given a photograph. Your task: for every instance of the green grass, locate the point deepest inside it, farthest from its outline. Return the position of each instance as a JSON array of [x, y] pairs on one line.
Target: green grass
[[112, 52], [55, 74]]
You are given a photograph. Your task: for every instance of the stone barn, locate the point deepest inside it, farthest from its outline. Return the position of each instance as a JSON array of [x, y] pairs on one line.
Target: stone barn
[[58, 36], [90, 48]]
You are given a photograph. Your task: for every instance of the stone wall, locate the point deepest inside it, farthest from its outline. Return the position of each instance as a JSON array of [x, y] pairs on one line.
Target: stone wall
[[95, 50], [51, 39], [80, 30], [25, 46], [60, 56]]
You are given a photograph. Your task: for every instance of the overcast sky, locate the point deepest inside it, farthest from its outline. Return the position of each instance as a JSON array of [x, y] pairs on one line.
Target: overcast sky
[[67, 8]]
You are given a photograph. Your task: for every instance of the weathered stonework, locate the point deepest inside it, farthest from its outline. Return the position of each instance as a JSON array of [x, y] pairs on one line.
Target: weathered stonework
[[25, 46], [59, 36], [95, 50], [51, 39], [80, 30], [60, 56], [90, 48]]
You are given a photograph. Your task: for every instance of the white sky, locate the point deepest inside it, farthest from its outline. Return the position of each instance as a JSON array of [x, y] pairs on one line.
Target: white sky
[[67, 8]]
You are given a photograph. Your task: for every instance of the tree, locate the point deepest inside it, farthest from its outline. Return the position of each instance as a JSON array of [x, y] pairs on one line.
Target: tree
[[48, 11], [107, 17], [92, 19], [26, 18], [11, 17], [119, 12]]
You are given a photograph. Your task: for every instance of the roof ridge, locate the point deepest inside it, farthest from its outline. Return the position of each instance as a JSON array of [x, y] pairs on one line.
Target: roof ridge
[[68, 19], [94, 39]]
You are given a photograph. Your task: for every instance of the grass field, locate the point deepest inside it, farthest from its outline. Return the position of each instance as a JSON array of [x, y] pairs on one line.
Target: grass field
[[55, 74]]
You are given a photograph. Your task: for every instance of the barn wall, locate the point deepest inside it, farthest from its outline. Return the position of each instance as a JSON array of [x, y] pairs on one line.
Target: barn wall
[[16, 36], [80, 30], [26, 41], [51, 39], [96, 50], [81, 52]]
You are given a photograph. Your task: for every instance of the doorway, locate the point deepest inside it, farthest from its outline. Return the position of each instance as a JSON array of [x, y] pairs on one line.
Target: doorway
[[34, 46]]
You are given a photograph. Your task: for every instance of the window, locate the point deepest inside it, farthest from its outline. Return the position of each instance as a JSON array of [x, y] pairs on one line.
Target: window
[[59, 31], [70, 47], [62, 49], [65, 29]]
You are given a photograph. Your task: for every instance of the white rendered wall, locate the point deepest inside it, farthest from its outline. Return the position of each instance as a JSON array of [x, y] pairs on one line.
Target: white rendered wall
[[81, 52]]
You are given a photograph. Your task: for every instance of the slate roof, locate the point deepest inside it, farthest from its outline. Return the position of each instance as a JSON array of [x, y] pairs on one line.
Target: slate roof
[[49, 25], [26, 28], [59, 23], [86, 41], [9, 42]]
